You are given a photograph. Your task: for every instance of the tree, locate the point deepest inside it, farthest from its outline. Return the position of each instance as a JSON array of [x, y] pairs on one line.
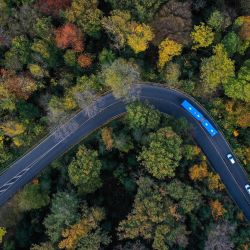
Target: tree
[[86, 231], [84, 170], [188, 198], [142, 116], [244, 23], [161, 157], [84, 61], [12, 128], [20, 86], [198, 172], [69, 36], [2, 233], [231, 42], [43, 246], [214, 182], [140, 36], [86, 15], [120, 76], [219, 21], [63, 213], [19, 54], [202, 36], [173, 20], [219, 237], [217, 69], [151, 217], [217, 209], [52, 7], [239, 87], [167, 50], [107, 139], [143, 10], [33, 197], [117, 27]]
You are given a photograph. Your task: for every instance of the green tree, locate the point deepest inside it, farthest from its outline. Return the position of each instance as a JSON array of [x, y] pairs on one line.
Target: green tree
[[84, 170], [217, 69], [162, 155], [239, 87], [154, 217], [63, 213], [86, 15], [142, 116], [19, 54], [231, 42], [33, 197], [120, 76]]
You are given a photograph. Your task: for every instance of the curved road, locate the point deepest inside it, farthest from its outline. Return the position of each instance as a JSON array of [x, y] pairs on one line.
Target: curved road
[[107, 108]]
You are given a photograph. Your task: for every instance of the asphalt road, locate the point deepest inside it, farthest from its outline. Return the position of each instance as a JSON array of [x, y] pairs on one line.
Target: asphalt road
[[108, 108]]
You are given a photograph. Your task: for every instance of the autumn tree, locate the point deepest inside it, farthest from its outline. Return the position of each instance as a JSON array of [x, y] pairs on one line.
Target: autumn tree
[[84, 61], [69, 36], [106, 134], [239, 87], [162, 154], [86, 15], [142, 116], [63, 213], [42, 246], [2, 233], [120, 76], [117, 27], [219, 237], [202, 36], [214, 182], [52, 7], [217, 69], [84, 170], [173, 20], [198, 171], [86, 232], [244, 23], [167, 50], [151, 217], [12, 128], [139, 37], [217, 209]]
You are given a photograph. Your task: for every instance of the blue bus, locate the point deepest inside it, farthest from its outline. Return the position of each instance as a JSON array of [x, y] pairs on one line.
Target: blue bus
[[198, 116]]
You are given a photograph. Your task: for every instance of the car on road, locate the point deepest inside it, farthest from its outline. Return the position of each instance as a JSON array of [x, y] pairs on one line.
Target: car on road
[[230, 158], [247, 187]]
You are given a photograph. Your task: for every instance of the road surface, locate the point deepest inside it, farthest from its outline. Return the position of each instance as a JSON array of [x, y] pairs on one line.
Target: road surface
[[108, 108]]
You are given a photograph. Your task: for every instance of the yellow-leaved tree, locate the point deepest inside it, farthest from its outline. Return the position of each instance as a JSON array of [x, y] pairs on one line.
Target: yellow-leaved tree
[[140, 36], [217, 209], [202, 36], [167, 50], [2, 233]]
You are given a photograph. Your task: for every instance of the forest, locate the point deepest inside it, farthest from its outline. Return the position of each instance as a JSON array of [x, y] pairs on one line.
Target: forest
[[139, 182]]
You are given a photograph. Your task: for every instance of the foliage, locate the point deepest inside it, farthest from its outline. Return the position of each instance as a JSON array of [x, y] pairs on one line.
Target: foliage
[[244, 23], [239, 87], [173, 21], [84, 170], [198, 172], [43, 246], [63, 213], [12, 128], [120, 76], [84, 61], [86, 15], [107, 139], [142, 116], [140, 36], [32, 197], [162, 155], [217, 209], [217, 69], [82, 231], [219, 21], [219, 237], [69, 36], [231, 43], [167, 50], [202, 36], [151, 217], [2, 233], [214, 182]]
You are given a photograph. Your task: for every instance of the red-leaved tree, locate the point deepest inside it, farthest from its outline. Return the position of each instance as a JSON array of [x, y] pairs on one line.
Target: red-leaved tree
[[52, 7], [69, 36]]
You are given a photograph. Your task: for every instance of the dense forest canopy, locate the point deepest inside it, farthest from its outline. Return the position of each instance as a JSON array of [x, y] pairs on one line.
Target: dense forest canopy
[[139, 182]]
